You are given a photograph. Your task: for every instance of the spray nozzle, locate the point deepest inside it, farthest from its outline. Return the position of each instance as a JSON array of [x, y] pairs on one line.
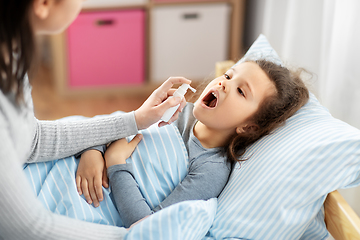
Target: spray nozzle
[[183, 88]]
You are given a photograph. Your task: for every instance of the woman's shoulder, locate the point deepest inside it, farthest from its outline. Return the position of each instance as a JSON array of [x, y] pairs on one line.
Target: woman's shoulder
[[17, 122], [9, 103]]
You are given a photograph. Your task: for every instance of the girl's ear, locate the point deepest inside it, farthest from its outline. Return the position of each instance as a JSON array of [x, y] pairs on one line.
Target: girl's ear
[[247, 128], [42, 8]]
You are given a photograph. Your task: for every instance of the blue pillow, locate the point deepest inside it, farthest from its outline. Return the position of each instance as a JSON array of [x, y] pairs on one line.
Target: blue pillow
[[278, 193], [184, 220]]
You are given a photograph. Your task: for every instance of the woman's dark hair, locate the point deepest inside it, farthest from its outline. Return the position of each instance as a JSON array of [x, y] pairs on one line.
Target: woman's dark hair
[[291, 94], [17, 45]]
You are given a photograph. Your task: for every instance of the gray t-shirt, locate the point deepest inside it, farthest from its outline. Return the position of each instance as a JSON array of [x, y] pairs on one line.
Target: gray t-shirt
[[23, 138], [208, 173]]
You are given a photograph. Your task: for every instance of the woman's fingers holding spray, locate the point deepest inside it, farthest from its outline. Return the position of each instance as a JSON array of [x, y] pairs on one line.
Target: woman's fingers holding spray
[[158, 102], [175, 116], [171, 120], [173, 102], [164, 88]]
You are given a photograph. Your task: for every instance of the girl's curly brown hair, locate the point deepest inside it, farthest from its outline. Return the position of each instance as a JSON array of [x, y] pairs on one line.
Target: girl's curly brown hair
[[291, 94]]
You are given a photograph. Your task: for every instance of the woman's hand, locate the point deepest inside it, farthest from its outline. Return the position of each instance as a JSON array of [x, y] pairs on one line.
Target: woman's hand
[[120, 150], [155, 106], [91, 175]]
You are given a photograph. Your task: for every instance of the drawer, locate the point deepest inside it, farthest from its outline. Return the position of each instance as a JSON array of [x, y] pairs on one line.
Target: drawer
[[111, 3], [187, 40], [106, 49]]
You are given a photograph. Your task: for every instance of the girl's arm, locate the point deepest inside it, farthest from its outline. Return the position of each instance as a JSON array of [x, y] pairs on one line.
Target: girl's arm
[[206, 178], [128, 199], [91, 173]]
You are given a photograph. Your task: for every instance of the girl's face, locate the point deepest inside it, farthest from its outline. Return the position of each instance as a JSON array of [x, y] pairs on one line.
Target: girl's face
[[54, 16], [229, 101]]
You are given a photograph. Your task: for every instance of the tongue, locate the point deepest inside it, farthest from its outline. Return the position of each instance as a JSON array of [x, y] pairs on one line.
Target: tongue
[[212, 103]]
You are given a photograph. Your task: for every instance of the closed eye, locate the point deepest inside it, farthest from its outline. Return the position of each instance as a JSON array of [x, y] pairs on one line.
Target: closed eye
[[241, 92]]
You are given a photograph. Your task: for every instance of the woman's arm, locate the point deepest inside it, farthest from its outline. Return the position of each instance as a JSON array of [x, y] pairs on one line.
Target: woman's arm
[[23, 216], [59, 139]]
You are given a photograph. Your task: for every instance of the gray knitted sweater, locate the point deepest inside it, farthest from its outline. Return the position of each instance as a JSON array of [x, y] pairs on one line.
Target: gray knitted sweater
[[23, 138]]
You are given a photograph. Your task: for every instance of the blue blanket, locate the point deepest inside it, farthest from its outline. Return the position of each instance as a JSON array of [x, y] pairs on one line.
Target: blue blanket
[[160, 162], [54, 184]]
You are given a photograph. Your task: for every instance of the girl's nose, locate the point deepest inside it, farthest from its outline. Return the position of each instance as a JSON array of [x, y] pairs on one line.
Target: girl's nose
[[222, 84]]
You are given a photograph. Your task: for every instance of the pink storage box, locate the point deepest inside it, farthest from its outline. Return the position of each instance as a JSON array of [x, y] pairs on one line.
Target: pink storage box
[[106, 49]]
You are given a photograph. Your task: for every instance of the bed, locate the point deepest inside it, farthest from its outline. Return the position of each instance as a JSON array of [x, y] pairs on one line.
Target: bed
[[285, 190]]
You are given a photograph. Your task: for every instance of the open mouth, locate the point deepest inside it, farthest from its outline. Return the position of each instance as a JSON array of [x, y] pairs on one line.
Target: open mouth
[[210, 99]]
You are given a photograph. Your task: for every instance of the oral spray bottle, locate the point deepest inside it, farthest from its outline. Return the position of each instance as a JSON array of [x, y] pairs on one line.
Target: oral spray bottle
[[180, 92]]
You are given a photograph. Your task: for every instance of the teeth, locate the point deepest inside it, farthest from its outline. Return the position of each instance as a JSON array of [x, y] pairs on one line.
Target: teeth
[[213, 94]]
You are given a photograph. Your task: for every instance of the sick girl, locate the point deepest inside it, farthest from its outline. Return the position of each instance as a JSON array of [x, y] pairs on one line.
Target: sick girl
[[234, 110]]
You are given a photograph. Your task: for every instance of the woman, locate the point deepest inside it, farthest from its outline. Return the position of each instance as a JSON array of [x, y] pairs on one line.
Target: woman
[[24, 138]]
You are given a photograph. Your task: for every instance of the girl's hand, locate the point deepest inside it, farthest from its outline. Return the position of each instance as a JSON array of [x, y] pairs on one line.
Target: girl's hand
[[91, 175], [155, 106], [120, 150]]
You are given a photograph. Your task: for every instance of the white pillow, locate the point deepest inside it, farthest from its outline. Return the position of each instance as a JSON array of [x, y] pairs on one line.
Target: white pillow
[[278, 193], [185, 220]]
